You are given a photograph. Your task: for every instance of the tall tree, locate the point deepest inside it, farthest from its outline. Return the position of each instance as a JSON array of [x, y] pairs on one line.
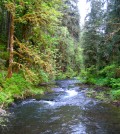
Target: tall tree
[[93, 34], [71, 17], [69, 36], [32, 27], [113, 31], [11, 38]]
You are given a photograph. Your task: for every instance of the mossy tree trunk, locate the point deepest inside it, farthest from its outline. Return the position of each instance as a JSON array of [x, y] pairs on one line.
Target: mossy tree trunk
[[11, 46]]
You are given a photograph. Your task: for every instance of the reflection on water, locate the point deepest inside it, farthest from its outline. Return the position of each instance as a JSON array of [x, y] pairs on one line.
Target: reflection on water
[[65, 111]]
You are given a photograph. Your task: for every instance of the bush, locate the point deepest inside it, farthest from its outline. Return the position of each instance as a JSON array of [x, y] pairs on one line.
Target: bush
[[108, 71], [115, 83], [60, 75], [43, 76], [88, 75], [15, 87], [115, 94], [108, 76], [101, 81]]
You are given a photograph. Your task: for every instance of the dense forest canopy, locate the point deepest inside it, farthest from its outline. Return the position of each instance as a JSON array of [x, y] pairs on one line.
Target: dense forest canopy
[[102, 32], [42, 40]]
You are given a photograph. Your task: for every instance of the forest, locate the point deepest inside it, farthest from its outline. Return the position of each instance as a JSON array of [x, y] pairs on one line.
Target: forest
[[42, 41]]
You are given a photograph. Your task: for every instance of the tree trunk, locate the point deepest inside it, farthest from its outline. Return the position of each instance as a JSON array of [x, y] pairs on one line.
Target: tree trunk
[[11, 47], [8, 30]]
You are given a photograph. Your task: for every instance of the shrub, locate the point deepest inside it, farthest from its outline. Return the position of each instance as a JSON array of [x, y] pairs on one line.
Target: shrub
[[115, 83], [115, 94], [15, 87], [108, 71], [88, 75]]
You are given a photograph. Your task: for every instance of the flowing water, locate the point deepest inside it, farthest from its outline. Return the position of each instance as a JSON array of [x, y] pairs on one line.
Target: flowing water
[[65, 111]]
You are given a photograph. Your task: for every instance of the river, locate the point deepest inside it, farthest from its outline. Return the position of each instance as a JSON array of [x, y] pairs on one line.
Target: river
[[67, 110]]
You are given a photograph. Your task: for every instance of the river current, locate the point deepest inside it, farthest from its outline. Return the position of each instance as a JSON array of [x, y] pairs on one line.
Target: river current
[[67, 110]]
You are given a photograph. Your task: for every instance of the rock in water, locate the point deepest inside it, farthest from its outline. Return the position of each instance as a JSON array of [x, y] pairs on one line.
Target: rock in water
[[2, 112]]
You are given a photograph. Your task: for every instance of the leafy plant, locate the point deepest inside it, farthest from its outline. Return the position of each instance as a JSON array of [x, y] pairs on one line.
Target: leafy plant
[[108, 71], [16, 87], [115, 94], [115, 83]]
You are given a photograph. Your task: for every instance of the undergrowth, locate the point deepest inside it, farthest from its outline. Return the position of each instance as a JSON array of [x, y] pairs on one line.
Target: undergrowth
[[16, 88], [107, 76]]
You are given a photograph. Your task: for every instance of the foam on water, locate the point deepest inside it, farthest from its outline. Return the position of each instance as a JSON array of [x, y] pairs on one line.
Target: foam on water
[[52, 103], [71, 93], [28, 101]]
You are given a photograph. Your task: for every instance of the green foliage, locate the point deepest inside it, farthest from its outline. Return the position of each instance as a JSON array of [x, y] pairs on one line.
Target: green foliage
[[92, 36], [60, 75], [101, 35], [71, 18], [115, 94], [43, 76], [102, 95], [45, 44], [104, 77], [115, 83], [100, 43], [87, 75], [3, 55], [102, 81], [70, 73], [15, 87], [108, 71]]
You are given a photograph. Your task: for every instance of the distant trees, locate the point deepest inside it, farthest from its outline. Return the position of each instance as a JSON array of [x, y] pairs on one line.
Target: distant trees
[[113, 30], [93, 34], [101, 42], [71, 18], [69, 41]]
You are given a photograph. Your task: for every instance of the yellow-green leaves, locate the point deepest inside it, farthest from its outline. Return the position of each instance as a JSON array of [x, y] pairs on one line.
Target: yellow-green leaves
[[10, 7]]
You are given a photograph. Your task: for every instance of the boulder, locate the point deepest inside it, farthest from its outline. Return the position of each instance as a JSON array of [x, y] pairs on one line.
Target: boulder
[[2, 112]]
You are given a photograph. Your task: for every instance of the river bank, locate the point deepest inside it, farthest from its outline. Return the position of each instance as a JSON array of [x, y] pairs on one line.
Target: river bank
[[66, 110], [102, 93]]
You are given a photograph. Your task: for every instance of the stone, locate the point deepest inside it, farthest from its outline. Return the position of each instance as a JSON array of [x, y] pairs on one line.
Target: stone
[[2, 112]]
